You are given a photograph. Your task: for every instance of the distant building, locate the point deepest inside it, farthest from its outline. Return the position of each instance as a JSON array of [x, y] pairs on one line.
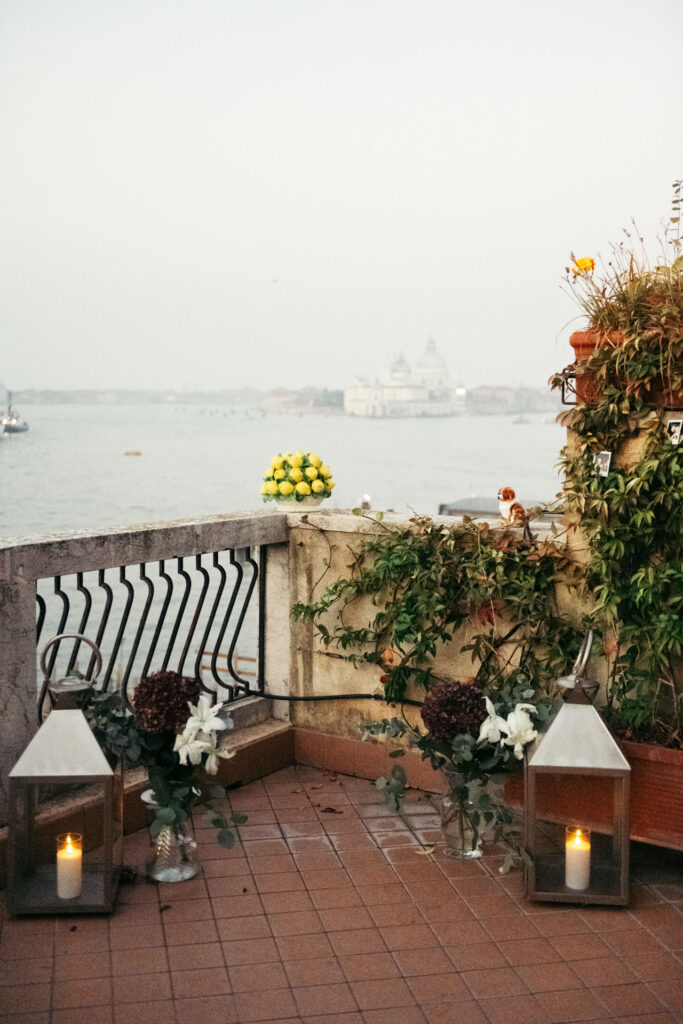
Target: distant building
[[425, 391]]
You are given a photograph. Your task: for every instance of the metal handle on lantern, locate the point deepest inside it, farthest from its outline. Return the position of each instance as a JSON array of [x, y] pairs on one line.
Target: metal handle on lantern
[[576, 680], [69, 684]]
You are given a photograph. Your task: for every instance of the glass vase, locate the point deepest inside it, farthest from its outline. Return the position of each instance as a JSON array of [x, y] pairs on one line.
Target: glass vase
[[173, 855], [462, 839]]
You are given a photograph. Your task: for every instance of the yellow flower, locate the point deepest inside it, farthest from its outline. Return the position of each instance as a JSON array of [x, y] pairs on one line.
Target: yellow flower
[[325, 471], [585, 265], [299, 453], [276, 461], [295, 461], [303, 488], [315, 460], [296, 475], [264, 487], [311, 472], [279, 474], [330, 484], [317, 486], [271, 487], [286, 487]]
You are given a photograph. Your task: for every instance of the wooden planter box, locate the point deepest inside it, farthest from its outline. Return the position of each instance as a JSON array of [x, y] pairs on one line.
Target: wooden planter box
[[656, 796]]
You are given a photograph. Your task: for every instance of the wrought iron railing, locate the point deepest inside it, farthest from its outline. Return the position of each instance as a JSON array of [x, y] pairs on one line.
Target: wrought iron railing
[[184, 614], [150, 597]]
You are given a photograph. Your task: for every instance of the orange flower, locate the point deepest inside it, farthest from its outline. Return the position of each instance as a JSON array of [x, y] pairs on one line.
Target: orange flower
[[584, 265]]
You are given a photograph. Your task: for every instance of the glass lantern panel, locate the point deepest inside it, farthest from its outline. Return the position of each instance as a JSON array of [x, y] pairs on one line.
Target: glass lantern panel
[[587, 860]]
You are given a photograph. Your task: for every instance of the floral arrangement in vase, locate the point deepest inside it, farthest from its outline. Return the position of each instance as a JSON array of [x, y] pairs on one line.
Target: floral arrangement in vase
[[297, 478], [177, 735], [472, 740]]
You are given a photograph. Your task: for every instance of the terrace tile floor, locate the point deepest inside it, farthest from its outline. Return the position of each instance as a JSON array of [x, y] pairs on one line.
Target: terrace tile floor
[[329, 912]]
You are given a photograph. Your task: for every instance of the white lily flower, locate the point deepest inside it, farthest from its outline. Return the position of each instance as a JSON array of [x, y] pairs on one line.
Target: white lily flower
[[205, 717], [214, 752], [188, 746], [520, 729], [493, 727]]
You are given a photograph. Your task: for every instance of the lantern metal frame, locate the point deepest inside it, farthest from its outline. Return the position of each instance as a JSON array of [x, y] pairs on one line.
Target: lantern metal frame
[[578, 745], [63, 753]]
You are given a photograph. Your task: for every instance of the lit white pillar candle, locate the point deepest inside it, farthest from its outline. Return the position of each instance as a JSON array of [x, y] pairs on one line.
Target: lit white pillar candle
[[577, 872], [69, 866]]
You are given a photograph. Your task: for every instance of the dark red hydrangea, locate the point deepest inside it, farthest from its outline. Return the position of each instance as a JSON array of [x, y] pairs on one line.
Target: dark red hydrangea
[[453, 709], [160, 701]]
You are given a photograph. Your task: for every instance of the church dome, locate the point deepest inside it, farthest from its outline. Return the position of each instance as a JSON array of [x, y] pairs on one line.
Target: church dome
[[431, 361]]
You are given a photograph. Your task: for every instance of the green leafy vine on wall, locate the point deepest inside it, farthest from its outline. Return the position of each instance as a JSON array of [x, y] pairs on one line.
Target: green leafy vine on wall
[[427, 580]]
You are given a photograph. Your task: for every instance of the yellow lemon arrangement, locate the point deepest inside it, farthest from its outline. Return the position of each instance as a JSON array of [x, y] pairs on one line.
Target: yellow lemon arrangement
[[297, 479]]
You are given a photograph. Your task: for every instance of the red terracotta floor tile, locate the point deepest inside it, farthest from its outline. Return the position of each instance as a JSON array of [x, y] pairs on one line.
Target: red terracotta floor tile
[[517, 1009], [83, 1015], [135, 938], [389, 915], [496, 981], [24, 998], [412, 962], [249, 951], [412, 936], [147, 1012], [438, 988], [409, 1015], [453, 933], [126, 962], [342, 918], [382, 895], [36, 971], [501, 928], [257, 977], [283, 881], [203, 981], [286, 902], [571, 1005], [330, 1018], [584, 946], [374, 995], [649, 967], [298, 922], [632, 999], [206, 1009], [461, 1010], [563, 922], [293, 947], [480, 956], [528, 951], [670, 993], [85, 992], [345, 896], [357, 940], [555, 977], [369, 966], [335, 998], [233, 928], [318, 971], [187, 958], [273, 1004], [27, 1018]]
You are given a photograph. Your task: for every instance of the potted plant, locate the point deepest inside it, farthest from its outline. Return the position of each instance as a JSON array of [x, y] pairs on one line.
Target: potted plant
[[472, 742], [630, 514], [177, 735], [633, 340], [297, 481]]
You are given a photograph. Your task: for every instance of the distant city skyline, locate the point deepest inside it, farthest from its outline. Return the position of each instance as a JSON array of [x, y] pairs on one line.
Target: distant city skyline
[[203, 194]]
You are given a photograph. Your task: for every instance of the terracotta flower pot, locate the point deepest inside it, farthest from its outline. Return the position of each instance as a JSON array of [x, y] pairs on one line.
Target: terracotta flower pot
[[656, 796], [585, 344]]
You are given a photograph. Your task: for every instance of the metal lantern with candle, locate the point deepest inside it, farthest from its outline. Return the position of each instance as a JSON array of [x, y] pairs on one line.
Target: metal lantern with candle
[[64, 847], [577, 804]]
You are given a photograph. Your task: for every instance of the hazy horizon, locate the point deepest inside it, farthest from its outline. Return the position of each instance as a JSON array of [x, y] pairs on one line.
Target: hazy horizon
[[219, 194]]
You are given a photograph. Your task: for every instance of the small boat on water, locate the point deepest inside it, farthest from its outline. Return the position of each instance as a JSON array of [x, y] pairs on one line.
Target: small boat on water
[[12, 422]]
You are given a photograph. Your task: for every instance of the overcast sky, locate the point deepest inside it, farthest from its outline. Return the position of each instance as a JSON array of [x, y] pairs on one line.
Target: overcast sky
[[218, 193]]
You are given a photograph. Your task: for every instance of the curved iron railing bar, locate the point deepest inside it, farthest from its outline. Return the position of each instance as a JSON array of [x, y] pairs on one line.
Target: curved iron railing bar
[[101, 582], [144, 578], [87, 605], [40, 621], [179, 617], [162, 615], [261, 640], [209, 624], [119, 635], [243, 683], [62, 623], [221, 633], [197, 612]]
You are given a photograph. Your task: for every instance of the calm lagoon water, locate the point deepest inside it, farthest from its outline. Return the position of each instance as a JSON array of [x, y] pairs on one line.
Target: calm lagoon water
[[69, 472]]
